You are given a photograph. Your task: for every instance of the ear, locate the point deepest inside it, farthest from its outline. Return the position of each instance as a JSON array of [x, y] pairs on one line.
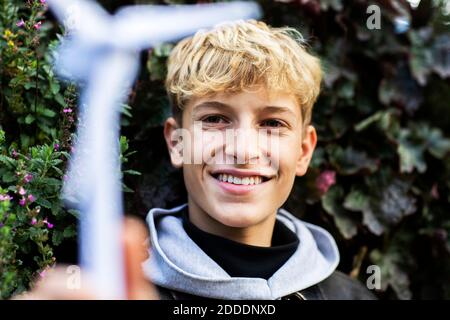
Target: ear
[[308, 145], [174, 142]]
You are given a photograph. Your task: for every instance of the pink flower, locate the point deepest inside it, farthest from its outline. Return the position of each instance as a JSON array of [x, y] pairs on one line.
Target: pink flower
[[4, 197], [31, 198], [434, 191], [22, 191], [14, 153], [37, 25], [42, 1], [22, 202], [325, 180], [42, 273], [49, 225], [28, 177], [20, 23], [33, 221], [67, 110]]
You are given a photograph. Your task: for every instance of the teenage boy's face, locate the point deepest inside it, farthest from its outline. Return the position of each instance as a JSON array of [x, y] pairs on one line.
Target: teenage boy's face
[[243, 154]]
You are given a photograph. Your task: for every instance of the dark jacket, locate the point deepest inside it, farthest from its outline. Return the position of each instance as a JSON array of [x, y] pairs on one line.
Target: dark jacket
[[338, 286]]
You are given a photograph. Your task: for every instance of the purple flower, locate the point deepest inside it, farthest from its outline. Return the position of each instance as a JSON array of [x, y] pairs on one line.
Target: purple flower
[[49, 225], [20, 23], [22, 191], [22, 202], [67, 110], [4, 197], [325, 180], [37, 25], [43, 1], [28, 177], [14, 153], [33, 221], [56, 146], [31, 198]]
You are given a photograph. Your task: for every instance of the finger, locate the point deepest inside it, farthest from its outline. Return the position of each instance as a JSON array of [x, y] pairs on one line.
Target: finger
[[136, 252], [57, 284]]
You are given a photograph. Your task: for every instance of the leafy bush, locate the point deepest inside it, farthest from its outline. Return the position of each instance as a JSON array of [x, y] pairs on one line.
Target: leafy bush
[[38, 114], [32, 219]]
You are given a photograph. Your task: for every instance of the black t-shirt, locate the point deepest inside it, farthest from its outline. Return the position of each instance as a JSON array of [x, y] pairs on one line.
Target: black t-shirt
[[242, 260]]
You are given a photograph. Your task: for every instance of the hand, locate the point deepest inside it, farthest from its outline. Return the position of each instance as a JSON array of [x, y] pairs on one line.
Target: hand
[[54, 285]]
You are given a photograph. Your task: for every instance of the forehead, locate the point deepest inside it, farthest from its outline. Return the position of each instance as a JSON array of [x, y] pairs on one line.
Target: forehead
[[251, 99]]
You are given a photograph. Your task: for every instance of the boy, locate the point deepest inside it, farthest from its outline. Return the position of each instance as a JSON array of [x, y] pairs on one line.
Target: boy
[[257, 85]]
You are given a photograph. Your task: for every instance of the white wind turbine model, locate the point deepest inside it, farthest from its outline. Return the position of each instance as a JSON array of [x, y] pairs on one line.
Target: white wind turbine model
[[101, 51]]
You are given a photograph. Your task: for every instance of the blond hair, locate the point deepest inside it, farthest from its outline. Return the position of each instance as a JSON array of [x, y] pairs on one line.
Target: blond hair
[[235, 56]]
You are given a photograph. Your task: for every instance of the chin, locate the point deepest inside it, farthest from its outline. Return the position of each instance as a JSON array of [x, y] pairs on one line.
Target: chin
[[239, 215]]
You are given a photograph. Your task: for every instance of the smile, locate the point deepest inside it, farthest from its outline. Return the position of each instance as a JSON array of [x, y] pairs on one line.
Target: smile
[[239, 180], [239, 183]]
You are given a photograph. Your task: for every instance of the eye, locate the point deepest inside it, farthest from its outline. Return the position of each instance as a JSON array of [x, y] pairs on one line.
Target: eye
[[274, 123], [214, 119]]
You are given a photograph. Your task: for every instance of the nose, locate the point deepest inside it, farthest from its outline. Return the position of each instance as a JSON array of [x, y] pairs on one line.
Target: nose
[[242, 145]]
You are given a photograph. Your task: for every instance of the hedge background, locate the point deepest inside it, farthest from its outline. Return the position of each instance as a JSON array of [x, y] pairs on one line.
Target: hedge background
[[379, 179]]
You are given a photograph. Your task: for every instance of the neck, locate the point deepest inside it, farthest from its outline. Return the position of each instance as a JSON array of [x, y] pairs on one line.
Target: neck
[[259, 234]]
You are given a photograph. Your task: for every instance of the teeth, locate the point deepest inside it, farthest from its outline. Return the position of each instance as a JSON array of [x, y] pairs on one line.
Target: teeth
[[239, 180]]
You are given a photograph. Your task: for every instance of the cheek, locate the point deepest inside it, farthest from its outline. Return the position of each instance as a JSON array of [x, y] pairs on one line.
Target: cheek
[[286, 155], [192, 177]]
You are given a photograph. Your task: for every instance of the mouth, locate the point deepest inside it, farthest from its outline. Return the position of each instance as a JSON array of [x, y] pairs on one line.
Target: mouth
[[240, 179], [237, 182]]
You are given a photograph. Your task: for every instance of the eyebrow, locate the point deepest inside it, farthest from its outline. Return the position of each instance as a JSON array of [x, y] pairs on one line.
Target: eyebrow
[[279, 109], [221, 105], [212, 104]]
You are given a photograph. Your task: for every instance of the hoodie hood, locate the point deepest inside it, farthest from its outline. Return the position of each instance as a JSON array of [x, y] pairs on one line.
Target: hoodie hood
[[177, 263]]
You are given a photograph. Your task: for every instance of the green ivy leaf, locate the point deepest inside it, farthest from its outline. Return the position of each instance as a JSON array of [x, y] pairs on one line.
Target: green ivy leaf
[[349, 161], [441, 55], [54, 87], [410, 152], [389, 203], [394, 262], [356, 200], [436, 144], [400, 90], [331, 202], [69, 232], [44, 202], [57, 237], [29, 119]]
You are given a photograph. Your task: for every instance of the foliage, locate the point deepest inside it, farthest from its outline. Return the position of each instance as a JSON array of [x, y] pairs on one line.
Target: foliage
[[38, 114], [379, 179]]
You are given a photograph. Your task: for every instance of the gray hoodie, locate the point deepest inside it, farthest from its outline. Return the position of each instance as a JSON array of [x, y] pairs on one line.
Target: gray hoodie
[[177, 263]]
